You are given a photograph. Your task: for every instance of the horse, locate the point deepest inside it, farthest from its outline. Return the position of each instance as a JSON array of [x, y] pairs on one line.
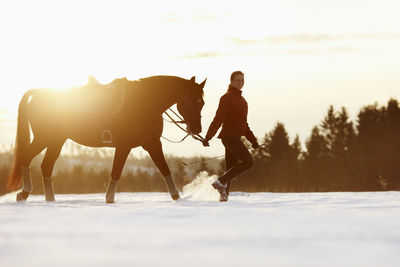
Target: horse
[[82, 114]]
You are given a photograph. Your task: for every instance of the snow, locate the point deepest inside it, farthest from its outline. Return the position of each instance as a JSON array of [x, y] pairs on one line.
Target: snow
[[149, 229]]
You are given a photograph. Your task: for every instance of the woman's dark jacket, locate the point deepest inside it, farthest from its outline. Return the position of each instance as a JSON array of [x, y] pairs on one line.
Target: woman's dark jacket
[[232, 114]]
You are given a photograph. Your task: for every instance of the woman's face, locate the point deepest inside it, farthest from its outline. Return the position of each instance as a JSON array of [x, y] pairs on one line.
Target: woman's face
[[238, 81]]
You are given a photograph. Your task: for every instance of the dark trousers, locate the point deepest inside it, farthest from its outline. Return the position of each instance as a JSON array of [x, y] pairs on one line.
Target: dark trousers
[[237, 159]]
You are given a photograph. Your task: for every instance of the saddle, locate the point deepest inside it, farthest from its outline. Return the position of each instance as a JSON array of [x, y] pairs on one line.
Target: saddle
[[102, 99]]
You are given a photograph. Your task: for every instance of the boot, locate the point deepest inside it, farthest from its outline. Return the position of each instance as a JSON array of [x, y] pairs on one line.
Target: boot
[[221, 189], [227, 190]]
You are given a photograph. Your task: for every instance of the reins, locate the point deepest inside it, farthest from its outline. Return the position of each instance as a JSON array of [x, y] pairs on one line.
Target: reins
[[181, 120]]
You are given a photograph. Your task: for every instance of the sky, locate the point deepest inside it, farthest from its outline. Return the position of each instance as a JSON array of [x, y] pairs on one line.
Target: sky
[[298, 57]]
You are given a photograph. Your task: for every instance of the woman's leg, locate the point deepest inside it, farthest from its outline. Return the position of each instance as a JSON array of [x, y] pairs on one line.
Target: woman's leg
[[230, 161], [236, 147]]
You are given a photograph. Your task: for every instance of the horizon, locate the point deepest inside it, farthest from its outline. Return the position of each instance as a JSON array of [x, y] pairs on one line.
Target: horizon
[[306, 58]]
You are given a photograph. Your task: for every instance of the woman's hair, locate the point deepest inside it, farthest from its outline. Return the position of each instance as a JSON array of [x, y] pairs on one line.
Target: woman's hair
[[233, 75]]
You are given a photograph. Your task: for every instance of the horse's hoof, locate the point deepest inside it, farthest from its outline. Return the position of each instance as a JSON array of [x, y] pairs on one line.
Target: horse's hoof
[[110, 199], [49, 196], [21, 196], [175, 197]]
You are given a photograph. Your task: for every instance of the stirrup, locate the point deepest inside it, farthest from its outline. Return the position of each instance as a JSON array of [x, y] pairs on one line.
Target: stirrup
[[106, 137]]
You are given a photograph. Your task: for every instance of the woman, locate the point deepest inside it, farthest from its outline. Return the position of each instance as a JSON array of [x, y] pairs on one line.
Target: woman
[[232, 115]]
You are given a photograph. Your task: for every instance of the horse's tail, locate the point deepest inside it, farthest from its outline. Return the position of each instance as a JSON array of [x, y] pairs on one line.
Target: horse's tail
[[22, 141]]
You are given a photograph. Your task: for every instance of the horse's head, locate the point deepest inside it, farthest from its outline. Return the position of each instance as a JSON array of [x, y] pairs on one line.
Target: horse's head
[[191, 104]]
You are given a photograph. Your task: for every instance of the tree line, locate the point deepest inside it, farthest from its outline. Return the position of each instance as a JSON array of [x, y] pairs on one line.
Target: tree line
[[339, 155]]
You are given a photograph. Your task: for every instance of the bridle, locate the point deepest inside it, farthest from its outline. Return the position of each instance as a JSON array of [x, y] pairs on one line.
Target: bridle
[[181, 120]]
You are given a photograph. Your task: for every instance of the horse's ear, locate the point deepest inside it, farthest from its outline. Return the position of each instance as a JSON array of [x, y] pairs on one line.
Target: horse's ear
[[193, 79], [203, 83]]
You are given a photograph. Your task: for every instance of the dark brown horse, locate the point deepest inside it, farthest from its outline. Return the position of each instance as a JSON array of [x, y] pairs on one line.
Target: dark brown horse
[[124, 114]]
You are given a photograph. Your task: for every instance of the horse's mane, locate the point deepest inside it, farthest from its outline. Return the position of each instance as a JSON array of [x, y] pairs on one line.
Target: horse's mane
[[160, 80], [144, 84]]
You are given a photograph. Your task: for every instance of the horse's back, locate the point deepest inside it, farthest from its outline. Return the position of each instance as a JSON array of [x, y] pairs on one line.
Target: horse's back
[[99, 98]]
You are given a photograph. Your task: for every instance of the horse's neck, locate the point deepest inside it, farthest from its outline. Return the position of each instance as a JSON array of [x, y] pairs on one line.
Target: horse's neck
[[168, 100], [158, 100]]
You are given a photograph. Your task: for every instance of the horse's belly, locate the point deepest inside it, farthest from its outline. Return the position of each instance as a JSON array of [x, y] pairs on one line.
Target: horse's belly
[[50, 119], [90, 131]]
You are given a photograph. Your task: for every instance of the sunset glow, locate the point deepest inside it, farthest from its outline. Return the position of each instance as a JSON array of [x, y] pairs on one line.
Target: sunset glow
[[298, 57]]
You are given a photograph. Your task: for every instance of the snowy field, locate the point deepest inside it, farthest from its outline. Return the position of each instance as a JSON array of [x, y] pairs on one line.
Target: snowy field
[[149, 229]]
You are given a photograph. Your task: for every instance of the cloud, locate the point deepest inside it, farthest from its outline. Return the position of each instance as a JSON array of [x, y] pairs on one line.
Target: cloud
[[313, 38], [343, 49], [311, 51], [204, 55], [314, 43], [172, 17], [204, 16], [241, 41], [300, 38], [290, 51], [296, 44]]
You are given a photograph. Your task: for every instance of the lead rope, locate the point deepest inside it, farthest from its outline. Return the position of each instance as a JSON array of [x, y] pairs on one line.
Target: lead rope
[[198, 161]]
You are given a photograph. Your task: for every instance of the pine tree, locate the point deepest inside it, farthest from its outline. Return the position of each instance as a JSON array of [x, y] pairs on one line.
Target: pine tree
[[392, 145], [377, 150], [282, 163], [368, 152], [294, 165], [315, 161], [339, 135]]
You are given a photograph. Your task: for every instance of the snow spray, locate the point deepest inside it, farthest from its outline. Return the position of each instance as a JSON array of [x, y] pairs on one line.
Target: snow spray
[[200, 188]]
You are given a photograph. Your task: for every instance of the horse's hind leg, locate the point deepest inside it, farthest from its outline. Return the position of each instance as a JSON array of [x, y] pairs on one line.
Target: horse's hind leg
[[52, 153], [33, 150], [119, 161]]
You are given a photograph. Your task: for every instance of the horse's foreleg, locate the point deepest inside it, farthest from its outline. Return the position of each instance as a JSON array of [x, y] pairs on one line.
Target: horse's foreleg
[[33, 149], [47, 166], [119, 161], [155, 151]]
